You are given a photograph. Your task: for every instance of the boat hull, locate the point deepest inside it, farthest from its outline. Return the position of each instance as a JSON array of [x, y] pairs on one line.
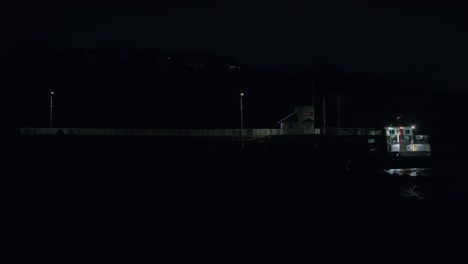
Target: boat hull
[[410, 154], [409, 160]]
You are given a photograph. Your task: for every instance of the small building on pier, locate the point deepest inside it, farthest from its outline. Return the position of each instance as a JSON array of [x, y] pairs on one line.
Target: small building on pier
[[301, 121]]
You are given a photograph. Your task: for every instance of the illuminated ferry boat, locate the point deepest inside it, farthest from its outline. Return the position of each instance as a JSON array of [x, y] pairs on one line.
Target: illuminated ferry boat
[[402, 143]]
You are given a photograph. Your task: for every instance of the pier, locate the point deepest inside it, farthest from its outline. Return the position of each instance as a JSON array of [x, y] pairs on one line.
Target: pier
[[170, 144], [235, 133]]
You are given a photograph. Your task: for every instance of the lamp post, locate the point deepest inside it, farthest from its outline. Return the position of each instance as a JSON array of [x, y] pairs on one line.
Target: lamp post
[[242, 113], [242, 120], [51, 107], [324, 116], [338, 112]]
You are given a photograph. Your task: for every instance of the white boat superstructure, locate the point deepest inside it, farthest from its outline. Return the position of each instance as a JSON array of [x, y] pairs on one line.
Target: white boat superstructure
[[402, 142]]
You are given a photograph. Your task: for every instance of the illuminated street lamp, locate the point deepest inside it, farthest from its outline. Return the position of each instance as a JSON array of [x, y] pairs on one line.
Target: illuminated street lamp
[[242, 114], [242, 121], [51, 107]]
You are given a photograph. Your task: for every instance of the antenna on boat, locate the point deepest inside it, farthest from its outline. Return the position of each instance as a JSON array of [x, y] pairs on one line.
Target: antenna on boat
[[399, 119]]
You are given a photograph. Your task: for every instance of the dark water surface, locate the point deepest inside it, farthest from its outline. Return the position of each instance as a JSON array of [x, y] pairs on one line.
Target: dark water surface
[[59, 202], [446, 181]]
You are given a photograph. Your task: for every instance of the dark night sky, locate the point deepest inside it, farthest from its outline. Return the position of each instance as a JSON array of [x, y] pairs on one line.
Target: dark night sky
[[424, 39], [420, 42]]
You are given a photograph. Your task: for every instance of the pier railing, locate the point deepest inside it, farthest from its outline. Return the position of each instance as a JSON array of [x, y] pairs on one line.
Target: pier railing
[[409, 139], [355, 131], [248, 133]]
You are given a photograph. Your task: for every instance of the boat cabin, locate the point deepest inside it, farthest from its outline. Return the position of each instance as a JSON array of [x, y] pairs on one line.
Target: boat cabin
[[401, 141]]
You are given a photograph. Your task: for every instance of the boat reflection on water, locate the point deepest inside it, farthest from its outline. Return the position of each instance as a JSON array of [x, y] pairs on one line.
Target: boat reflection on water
[[412, 172], [412, 191], [446, 181], [409, 187]]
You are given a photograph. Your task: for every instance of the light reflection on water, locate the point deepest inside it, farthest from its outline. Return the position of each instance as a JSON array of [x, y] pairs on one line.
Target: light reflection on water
[[410, 190], [413, 172], [446, 181]]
